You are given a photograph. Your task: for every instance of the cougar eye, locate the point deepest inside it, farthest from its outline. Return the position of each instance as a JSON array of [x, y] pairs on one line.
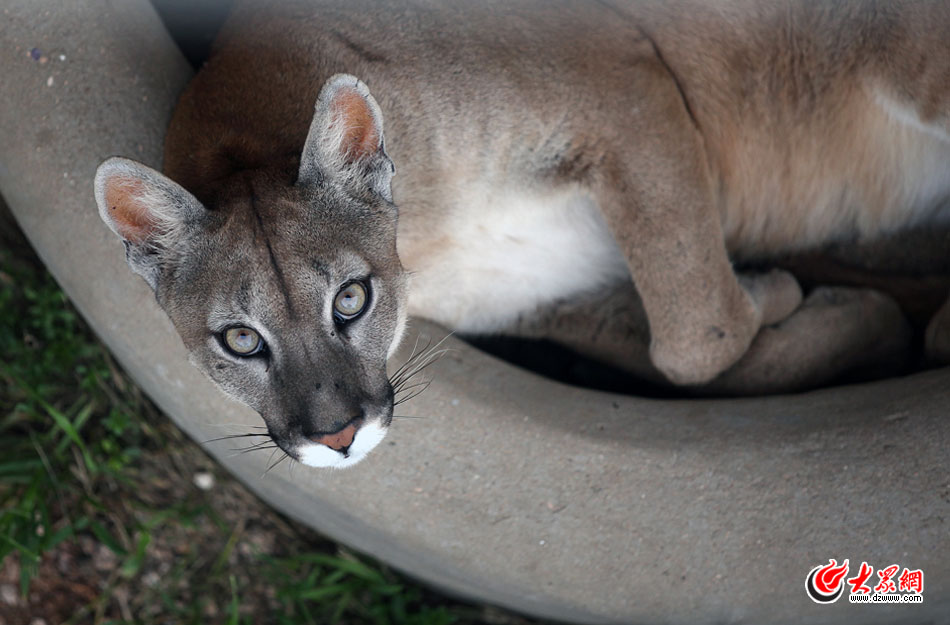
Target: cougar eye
[[243, 341], [350, 301]]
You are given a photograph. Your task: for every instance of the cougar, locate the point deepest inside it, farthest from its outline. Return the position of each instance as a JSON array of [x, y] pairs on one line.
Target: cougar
[[549, 154]]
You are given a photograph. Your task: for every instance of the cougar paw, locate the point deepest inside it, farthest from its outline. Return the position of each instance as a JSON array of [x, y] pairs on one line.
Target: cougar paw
[[693, 360], [835, 332], [776, 294], [701, 348]]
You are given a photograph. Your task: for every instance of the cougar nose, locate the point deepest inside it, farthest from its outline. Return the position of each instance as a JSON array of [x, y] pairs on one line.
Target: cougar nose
[[341, 439]]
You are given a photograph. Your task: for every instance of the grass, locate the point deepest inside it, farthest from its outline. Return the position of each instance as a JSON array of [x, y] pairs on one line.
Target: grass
[[101, 521]]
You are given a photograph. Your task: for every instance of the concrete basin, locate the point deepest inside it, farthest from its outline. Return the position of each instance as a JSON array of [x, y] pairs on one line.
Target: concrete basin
[[556, 501]]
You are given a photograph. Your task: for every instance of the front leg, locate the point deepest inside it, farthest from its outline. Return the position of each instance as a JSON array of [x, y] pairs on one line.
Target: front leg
[[660, 208], [702, 317]]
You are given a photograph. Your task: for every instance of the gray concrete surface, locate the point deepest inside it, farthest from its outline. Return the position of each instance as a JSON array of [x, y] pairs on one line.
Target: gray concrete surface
[[556, 501]]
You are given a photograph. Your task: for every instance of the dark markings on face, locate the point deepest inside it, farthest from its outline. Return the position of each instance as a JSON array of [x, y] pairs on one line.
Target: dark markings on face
[[244, 297], [278, 272], [322, 270], [362, 51]]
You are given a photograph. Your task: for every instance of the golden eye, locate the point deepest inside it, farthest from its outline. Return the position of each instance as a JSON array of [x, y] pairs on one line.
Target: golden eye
[[350, 301], [243, 341]]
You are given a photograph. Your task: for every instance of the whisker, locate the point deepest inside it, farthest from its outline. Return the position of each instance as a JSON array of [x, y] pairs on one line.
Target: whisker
[[241, 452], [404, 387], [412, 396], [412, 378], [230, 436], [415, 384], [405, 416], [247, 451], [414, 348], [412, 358], [269, 458], [427, 351], [432, 348], [279, 460], [426, 359], [402, 401], [261, 445], [410, 371], [418, 361]]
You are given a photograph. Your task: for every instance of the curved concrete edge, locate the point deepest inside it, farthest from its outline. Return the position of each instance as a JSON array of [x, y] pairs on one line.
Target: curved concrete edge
[[564, 503]]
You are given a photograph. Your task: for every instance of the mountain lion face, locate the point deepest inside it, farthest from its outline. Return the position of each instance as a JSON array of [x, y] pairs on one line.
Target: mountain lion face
[[289, 296]]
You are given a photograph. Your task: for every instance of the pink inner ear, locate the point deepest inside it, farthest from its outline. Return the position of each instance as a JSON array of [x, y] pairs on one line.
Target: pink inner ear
[[360, 136], [127, 209]]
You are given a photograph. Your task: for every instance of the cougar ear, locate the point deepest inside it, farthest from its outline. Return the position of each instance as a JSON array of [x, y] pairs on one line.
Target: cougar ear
[[345, 141], [147, 210]]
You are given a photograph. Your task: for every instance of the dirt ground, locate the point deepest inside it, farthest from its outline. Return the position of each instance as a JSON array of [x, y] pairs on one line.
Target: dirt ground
[[212, 529]]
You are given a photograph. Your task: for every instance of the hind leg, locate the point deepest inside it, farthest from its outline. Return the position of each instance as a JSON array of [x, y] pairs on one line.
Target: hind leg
[[608, 325], [836, 331]]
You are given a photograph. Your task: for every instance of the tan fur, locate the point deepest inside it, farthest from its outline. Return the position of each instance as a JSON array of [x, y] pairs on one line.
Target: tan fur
[[702, 131]]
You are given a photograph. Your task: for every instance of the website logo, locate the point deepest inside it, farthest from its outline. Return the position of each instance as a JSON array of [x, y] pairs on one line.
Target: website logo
[[826, 583]]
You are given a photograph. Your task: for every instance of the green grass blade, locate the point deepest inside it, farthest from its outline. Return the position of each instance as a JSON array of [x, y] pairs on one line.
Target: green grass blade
[[19, 468], [63, 423], [323, 593], [353, 567], [107, 539], [234, 612], [133, 564]]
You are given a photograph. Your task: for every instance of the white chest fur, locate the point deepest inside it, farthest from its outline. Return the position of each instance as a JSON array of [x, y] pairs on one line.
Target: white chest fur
[[499, 254]]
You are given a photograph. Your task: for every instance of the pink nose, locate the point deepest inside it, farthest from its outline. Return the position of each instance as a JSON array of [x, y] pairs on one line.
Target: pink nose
[[339, 441]]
